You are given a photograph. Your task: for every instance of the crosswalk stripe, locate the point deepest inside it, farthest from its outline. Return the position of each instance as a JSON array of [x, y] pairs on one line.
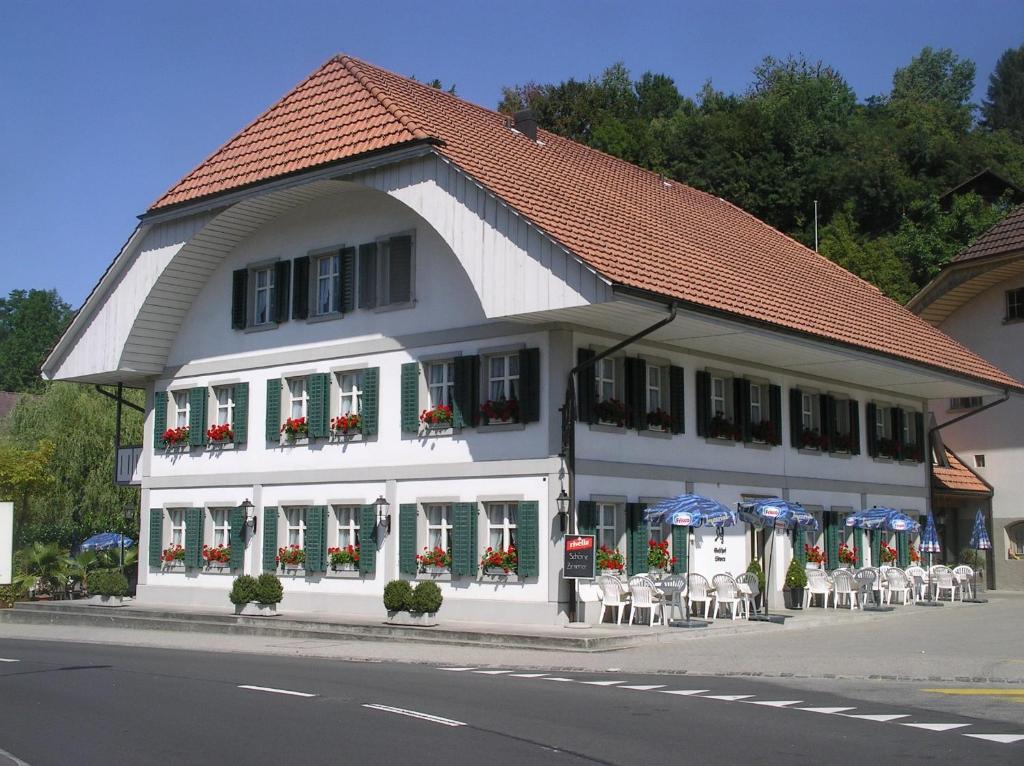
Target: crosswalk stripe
[[600, 683], [455, 670], [774, 703], [936, 726], [826, 710], [527, 675], [684, 692], [643, 688], [492, 672], [557, 678], [1005, 739], [880, 718], [727, 697]]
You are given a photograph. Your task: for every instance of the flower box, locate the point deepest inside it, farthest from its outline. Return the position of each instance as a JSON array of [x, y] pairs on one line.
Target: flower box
[[813, 439], [500, 411], [415, 619], [722, 428], [176, 437], [107, 601], [256, 609], [435, 570], [434, 561], [346, 426], [220, 434], [295, 428], [172, 556], [500, 560], [658, 557], [291, 557], [437, 418], [610, 561], [659, 420], [611, 412], [344, 567], [343, 559], [765, 432], [219, 555]]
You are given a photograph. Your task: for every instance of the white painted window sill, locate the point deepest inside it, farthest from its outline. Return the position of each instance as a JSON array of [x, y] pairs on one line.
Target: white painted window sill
[[428, 432], [349, 438], [500, 578], [343, 574], [498, 427]]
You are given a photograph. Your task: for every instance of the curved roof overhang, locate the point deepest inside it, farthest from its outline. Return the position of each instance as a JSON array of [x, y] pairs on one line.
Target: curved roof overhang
[[958, 283]]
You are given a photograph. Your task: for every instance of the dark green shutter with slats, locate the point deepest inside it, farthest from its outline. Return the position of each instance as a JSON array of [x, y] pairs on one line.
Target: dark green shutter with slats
[[282, 291], [370, 404], [832, 532], [827, 408], [799, 539], [741, 407], [237, 537], [463, 539], [871, 428], [465, 391], [318, 387], [903, 549], [636, 539], [636, 393], [875, 536], [239, 298], [775, 412], [197, 398], [528, 539], [410, 398], [193, 537], [407, 538], [677, 398], [680, 548], [300, 288], [529, 385], [159, 419], [703, 403], [240, 399], [854, 406], [796, 421], [586, 517], [156, 536], [315, 539], [858, 544], [274, 410], [367, 541], [586, 387], [368, 275], [348, 279], [922, 454], [270, 538]]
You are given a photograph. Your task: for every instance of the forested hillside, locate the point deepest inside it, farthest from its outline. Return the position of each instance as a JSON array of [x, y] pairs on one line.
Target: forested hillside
[[876, 164]]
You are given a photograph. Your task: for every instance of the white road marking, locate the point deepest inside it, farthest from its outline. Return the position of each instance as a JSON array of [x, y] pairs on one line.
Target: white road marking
[[9, 756], [415, 714], [727, 697], [642, 688], [774, 703], [684, 692], [276, 691], [528, 675], [1006, 739], [936, 726], [601, 683], [455, 670], [4, 659], [880, 718], [826, 710], [557, 678], [492, 672]]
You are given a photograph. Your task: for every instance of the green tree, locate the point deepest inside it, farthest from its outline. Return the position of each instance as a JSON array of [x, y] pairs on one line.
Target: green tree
[[1003, 107], [24, 474], [30, 323], [874, 260]]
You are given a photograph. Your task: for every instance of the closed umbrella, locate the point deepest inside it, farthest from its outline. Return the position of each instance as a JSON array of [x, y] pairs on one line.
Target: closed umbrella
[[980, 541], [930, 544], [777, 514], [690, 511]]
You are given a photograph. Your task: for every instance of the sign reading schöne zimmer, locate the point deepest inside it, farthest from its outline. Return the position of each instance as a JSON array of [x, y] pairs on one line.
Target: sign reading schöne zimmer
[[579, 557]]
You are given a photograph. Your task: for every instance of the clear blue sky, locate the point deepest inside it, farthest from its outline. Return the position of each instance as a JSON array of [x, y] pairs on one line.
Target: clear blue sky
[[106, 104]]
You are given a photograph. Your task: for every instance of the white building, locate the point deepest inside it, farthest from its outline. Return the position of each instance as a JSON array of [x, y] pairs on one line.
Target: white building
[[375, 246], [978, 299]]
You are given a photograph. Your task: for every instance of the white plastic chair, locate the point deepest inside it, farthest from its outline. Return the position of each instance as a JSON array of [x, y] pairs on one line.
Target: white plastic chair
[[898, 583], [700, 591], [944, 580], [750, 580], [917, 581], [869, 585], [643, 595], [727, 592], [845, 588], [674, 589], [817, 585], [612, 596], [965, 576]]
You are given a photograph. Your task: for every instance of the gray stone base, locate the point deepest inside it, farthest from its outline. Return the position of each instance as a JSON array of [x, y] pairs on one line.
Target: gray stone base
[[107, 601], [419, 619], [255, 609]]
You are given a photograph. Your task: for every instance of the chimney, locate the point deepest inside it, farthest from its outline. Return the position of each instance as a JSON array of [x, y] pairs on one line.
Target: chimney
[[525, 121]]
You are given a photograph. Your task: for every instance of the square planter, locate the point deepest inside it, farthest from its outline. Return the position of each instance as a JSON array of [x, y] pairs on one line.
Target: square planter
[[498, 572], [344, 568], [436, 570], [256, 609], [107, 600], [288, 569], [417, 619]]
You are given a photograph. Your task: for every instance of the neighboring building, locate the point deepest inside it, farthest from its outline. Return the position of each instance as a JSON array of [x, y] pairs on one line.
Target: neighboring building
[[375, 247], [978, 299]]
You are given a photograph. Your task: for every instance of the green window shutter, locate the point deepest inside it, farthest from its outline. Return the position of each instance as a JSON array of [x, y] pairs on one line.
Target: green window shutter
[[400, 269], [407, 538], [197, 398], [775, 411], [586, 386], [854, 406], [680, 548], [703, 403], [367, 542], [410, 398], [159, 419], [635, 391], [348, 279], [237, 537], [466, 391], [156, 536], [586, 517], [463, 539], [636, 539], [831, 520], [827, 408], [677, 398], [318, 386], [193, 537], [282, 290], [529, 385], [796, 423], [919, 431], [315, 539], [274, 410], [370, 403], [240, 426], [858, 544], [871, 413], [799, 539], [239, 298], [270, 538], [902, 549], [528, 539], [368, 275], [300, 288], [741, 406], [876, 546]]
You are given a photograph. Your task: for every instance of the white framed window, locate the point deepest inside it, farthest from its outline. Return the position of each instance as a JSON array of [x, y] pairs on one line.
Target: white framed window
[[964, 402], [182, 409], [440, 382], [177, 519], [263, 293], [298, 398], [842, 415], [501, 525], [604, 376], [657, 532], [327, 284], [606, 533], [883, 422], [347, 520], [719, 398], [909, 434], [1016, 535], [295, 526], [758, 406], [503, 376], [810, 413], [221, 520], [654, 396], [224, 410], [350, 392], [439, 525]]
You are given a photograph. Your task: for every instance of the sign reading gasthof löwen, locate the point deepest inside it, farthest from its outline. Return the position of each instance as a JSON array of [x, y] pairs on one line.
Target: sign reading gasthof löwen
[[580, 557]]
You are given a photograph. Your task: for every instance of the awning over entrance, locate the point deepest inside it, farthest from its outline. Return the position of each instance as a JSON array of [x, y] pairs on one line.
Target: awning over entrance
[[958, 479]]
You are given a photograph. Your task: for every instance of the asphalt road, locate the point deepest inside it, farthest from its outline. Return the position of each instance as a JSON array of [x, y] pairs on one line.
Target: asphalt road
[[66, 703]]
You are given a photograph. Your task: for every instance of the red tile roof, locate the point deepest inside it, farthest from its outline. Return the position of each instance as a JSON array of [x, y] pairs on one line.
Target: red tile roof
[[631, 225], [958, 477], [1005, 237]]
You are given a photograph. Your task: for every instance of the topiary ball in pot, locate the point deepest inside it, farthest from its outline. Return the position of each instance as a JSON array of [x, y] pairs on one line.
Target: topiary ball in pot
[[243, 590], [796, 575], [398, 596], [108, 583], [269, 589], [426, 598]]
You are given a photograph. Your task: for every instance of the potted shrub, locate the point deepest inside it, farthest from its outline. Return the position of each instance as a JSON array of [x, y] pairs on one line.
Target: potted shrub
[[796, 581], [658, 557], [434, 561], [412, 606], [108, 587], [344, 559], [256, 597], [437, 418], [499, 561]]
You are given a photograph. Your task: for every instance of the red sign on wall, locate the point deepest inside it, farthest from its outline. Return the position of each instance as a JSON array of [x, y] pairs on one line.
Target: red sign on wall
[[580, 557]]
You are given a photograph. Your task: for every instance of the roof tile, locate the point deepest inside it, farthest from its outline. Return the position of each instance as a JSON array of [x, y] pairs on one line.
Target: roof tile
[[957, 477]]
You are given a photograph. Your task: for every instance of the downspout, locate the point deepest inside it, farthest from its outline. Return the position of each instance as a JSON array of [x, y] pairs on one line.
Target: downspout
[[569, 416]]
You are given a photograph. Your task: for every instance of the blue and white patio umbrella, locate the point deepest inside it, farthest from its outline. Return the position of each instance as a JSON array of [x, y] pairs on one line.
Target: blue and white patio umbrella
[[979, 535], [888, 519], [776, 512], [930, 538], [691, 511], [105, 541]]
